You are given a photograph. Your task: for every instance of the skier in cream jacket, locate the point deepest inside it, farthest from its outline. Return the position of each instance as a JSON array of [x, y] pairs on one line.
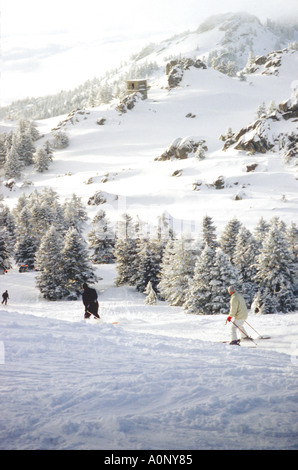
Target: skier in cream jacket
[[237, 316]]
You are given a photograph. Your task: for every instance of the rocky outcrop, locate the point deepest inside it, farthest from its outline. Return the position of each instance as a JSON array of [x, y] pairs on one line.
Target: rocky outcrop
[[268, 64], [180, 149], [175, 69], [101, 197], [264, 134], [129, 102]]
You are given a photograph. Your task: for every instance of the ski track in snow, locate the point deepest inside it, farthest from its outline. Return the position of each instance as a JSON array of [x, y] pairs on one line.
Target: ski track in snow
[[157, 380]]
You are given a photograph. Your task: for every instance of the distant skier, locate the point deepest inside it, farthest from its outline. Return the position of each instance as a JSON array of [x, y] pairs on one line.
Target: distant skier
[[5, 297], [239, 313], [90, 302]]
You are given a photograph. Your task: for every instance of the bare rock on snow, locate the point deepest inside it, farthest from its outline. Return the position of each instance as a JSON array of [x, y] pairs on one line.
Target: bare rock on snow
[[264, 135], [129, 102], [175, 69], [180, 148]]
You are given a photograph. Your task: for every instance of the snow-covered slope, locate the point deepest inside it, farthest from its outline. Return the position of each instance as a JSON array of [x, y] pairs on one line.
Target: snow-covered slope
[[156, 380], [232, 36], [124, 152]]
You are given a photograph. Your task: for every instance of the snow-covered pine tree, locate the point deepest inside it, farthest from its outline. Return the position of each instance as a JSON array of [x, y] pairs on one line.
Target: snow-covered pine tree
[[150, 254], [261, 110], [101, 239], [77, 268], [60, 140], [125, 250], [244, 259], [50, 279], [13, 164], [165, 268], [272, 107], [228, 237], [200, 153], [209, 232], [260, 231], [199, 297], [25, 126], [275, 272], [151, 298], [4, 253], [26, 244], [41, 160], [74, 213], [223, 274], [49, 150], [25, 146], [292, 239], [179, 271], [8, 225]]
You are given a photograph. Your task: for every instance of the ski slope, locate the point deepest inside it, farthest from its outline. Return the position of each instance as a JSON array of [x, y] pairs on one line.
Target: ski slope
[[158, 379]]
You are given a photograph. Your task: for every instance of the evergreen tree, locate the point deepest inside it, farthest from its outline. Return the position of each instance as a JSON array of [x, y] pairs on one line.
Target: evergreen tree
[[8, 226], [26, 244], [244, 258], [261, 110], [41, 160], [200, 153], [101, 239], [179, 271], [4, 254], [151, 298], [228, 238], [25, 147], [199, 296], [49, 262], [49, 151], [165, 269], [223, 274], [60, 140], [292, 240], [150, 254], [260, 232], [125, 251], [77, 268], [13, 165], [275, 272], [209, 232], [74, 213]]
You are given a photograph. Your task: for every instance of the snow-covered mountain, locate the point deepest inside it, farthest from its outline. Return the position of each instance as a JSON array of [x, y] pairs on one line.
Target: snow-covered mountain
[[202, 143], [118, 149], [224, 42], [224, 37]]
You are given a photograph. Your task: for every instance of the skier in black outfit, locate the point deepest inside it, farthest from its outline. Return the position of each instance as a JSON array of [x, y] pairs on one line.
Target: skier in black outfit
[[5, 296], [90, 302]]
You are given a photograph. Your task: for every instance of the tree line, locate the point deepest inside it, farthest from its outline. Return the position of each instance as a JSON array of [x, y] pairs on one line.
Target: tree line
[[193, 273], [19, 150]]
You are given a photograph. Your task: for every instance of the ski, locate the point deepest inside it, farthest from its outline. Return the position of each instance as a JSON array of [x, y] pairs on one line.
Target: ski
[[237, 344]]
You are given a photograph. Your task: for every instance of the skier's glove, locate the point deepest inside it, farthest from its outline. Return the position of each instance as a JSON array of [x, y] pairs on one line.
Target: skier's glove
[[229, 319]]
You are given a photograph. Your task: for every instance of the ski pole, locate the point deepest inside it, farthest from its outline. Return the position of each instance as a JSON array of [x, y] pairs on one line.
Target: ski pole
[[243, 333], [261, 336]]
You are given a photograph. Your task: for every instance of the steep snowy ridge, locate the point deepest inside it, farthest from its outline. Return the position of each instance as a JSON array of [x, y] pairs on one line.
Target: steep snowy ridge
[[229, 37]]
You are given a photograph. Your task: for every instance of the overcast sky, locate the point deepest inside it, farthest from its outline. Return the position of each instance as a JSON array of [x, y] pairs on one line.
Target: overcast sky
[[45, 43]]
